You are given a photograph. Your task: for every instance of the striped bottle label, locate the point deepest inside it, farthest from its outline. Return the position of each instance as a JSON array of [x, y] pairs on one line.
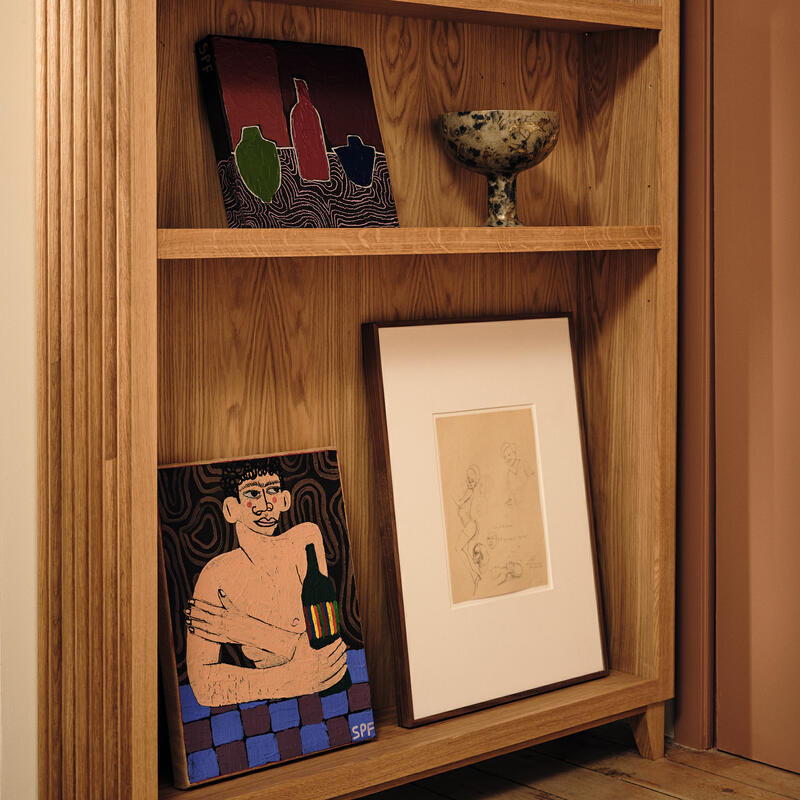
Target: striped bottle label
[[322, 620]]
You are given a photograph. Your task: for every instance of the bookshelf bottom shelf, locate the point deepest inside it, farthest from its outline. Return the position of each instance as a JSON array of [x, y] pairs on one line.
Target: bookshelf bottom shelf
[[399, 755]]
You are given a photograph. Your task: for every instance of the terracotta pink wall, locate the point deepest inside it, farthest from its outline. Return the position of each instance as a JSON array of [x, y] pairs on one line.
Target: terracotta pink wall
[[694, 678], [757, 274]]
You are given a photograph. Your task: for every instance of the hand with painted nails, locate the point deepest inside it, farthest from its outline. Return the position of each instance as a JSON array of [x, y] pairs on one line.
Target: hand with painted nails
[[227, 624]]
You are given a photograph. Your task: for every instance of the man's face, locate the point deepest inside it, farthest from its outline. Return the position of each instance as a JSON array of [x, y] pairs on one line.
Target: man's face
[[509, 454], [259, 504]]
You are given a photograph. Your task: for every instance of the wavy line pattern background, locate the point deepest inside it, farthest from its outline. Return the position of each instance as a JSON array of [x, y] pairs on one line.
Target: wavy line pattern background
[[194, 530], [337, 203]]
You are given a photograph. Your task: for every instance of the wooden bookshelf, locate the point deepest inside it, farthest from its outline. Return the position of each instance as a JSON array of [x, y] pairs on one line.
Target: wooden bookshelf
[[569, 15], [189, 243], [145, 299], [398, 755]]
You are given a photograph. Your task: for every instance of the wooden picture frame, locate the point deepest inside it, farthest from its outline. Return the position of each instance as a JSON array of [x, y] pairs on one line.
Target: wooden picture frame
[[487, 524]]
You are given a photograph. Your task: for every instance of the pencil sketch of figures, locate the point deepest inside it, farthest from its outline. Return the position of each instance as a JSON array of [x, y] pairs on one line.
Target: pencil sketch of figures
[[465, 505], [491, 503], [517, 475], [508, 571], [479, 555]]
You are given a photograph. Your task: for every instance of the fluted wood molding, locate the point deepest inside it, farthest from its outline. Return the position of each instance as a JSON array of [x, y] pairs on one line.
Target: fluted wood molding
[[97, 379]]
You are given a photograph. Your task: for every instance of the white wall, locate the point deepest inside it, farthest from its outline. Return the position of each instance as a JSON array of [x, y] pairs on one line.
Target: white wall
[[18, 484]]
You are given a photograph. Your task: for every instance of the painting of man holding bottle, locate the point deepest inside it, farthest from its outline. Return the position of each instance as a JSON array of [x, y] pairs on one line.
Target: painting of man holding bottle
[[270, 666], [252, 597]]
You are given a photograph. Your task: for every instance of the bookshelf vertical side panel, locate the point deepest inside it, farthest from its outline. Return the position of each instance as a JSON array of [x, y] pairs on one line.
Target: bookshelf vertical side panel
[[618, 323], [669, 153], [628, 111], [97, 432]]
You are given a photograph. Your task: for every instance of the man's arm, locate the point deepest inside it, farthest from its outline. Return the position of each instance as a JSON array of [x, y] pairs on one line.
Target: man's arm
[[227, 624], [216, 684]]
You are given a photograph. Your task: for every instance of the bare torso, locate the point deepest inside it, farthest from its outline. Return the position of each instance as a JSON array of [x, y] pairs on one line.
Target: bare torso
[[265, 582]]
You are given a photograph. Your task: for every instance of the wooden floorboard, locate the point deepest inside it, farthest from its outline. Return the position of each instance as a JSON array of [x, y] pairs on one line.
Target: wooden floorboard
[[472, 784], [564, 780], [752, 773], [603, 764], [668, 777], [409, 792]]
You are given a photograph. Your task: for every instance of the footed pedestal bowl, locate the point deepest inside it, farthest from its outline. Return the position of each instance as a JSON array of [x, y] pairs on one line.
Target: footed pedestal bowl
[[500, 145]]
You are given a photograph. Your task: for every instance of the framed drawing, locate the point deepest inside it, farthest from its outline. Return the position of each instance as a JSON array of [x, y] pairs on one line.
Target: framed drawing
[[487, 527], [261, 648]]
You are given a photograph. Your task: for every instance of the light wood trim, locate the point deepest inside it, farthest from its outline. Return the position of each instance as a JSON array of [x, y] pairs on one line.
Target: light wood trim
[[96, 221], [183, 243], [583, 15], [667, 357], [694, 705], [399, 755], [648, 731]]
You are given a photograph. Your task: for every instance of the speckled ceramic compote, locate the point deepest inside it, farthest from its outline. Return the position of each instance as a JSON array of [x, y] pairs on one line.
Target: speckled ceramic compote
[[500, 145]]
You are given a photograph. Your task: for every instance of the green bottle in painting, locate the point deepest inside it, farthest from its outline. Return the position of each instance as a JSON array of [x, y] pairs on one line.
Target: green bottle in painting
[[258, 163], [321, 611]]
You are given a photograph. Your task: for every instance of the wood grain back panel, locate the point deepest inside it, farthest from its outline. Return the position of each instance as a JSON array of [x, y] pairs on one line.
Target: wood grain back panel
[[619, 124]]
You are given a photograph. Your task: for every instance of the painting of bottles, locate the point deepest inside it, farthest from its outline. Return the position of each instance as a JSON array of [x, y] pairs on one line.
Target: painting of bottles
[[295, 134], [261, 647]]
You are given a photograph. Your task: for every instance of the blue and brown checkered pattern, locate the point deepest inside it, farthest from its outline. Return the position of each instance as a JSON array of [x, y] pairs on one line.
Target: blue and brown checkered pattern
[[228, 739]]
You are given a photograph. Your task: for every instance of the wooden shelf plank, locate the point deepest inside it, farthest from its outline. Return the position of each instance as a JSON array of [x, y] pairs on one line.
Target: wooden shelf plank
[[581, 15], [399, 755], [183, 243]]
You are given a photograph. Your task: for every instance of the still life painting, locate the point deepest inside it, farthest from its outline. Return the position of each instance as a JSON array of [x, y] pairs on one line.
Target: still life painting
[[296, 136], [261, 646]]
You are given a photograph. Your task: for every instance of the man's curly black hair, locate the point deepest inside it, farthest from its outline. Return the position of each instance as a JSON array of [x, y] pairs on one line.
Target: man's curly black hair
[[234, 473]]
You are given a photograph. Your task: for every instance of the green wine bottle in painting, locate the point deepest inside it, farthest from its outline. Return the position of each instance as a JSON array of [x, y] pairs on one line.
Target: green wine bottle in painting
[[258, 163], [321, 611]]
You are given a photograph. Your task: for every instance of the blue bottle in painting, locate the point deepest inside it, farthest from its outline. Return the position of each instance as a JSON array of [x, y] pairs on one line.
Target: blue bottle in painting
[[357, 159]]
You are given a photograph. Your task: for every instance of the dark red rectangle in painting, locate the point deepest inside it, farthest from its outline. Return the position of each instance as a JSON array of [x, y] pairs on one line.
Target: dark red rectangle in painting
[[251, 90]]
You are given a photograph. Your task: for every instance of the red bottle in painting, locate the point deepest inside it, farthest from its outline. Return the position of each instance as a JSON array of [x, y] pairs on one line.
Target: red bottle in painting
[[307, 136]]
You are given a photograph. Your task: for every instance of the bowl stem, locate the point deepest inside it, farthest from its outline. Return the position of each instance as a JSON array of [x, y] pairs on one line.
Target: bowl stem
[[502, 201]]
